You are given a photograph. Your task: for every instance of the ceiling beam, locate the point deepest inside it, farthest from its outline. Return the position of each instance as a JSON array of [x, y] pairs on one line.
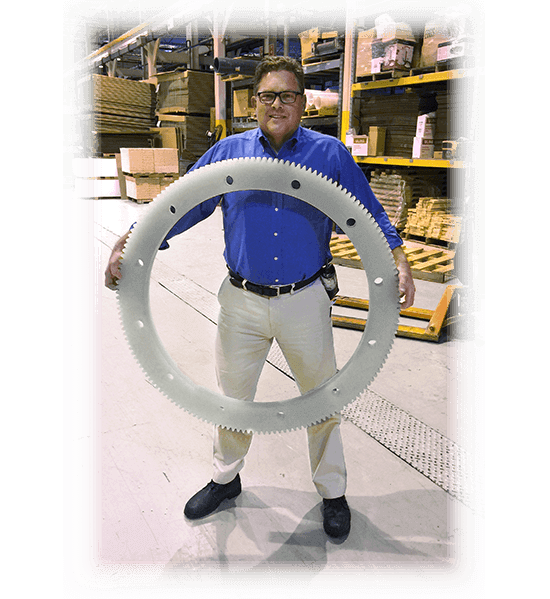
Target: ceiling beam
[[177, 15]]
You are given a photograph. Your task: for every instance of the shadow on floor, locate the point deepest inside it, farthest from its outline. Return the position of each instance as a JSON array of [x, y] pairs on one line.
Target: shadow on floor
[[257, 532]]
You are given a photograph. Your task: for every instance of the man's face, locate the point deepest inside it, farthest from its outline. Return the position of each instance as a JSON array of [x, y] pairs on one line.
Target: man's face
[[279, 121]]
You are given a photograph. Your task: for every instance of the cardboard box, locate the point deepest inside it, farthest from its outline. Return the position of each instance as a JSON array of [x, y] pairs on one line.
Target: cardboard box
[[435, 33], [423, 148], [389, 55], [378, 54], [149, 161], [376, 141], [389, 30], [142, 188], [241, 102], [425, 125], [166, 160], [455, 48], [93, 168], [147, 188], [166, 135], [363, 64], [398, 54], [360, 146], [97, 188], [137, 160]]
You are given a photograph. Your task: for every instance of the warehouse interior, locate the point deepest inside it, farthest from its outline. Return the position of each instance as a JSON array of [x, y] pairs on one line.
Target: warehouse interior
[[153, 90]]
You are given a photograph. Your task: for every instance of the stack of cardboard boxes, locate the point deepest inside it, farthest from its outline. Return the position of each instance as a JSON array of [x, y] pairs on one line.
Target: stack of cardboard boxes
[[148, 171], [387, 47]]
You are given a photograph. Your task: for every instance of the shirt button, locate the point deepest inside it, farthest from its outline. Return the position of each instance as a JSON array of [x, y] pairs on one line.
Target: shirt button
[[276, 280], [275, 234], [276, 210], [276, 258]]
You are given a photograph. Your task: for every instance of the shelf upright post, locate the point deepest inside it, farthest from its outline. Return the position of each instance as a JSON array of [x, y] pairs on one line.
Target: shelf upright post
[[347, 77], [192, 37], [219, 85]]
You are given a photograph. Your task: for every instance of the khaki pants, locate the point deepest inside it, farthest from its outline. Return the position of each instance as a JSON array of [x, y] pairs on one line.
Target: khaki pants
[[301, 323]]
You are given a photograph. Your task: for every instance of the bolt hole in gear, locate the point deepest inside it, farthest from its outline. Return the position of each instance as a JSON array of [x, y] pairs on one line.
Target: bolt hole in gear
[[266, 174]]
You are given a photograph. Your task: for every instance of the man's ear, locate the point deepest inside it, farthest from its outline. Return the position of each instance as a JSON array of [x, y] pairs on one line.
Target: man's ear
[[253, 102]]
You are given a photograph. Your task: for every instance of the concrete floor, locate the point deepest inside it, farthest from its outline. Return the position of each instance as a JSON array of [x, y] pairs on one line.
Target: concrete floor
[[152, 456]]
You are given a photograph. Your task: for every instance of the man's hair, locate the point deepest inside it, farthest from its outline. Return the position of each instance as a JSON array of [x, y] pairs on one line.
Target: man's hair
[[279, 63]]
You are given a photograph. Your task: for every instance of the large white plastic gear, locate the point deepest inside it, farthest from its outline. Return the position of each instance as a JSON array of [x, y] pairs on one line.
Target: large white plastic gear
[[270, 175]]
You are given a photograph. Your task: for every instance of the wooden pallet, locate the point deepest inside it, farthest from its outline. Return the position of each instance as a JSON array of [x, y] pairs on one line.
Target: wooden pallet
[[311, 60], [382, 75], [427, 263], [456, 63], [431, 241], [140, 201], [101, 198]]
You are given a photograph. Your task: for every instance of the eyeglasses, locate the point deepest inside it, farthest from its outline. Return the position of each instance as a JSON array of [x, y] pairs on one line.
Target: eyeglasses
[[286, 97]]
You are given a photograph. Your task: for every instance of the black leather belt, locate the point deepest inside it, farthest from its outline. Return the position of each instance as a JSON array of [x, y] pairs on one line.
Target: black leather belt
[[268, 290]]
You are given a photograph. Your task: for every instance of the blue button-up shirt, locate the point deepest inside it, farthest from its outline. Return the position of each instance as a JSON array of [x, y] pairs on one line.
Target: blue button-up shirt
[[272, 238]]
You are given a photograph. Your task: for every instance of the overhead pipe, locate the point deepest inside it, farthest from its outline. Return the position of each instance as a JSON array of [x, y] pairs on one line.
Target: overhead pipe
[[225, 66]]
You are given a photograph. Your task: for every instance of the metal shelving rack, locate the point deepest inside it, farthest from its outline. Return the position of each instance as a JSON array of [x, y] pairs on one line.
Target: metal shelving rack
[[351, 89]]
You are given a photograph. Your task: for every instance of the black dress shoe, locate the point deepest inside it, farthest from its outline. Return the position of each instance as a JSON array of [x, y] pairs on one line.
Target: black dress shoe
[[336, 517], [207, 500]]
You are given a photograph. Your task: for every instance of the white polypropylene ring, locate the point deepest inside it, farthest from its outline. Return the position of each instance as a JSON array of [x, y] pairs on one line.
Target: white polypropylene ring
[[306, 185]]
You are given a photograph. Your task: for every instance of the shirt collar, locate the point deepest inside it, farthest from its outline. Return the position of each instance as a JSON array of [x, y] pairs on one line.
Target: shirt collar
[[290, 143]]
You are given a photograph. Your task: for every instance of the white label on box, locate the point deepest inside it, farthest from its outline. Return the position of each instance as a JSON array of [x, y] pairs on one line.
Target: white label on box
[[423, 148], [376, 65], [360, 146]]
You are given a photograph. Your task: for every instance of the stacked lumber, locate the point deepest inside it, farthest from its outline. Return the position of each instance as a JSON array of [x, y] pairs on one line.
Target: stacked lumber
[[399, 191], [432, 219], [121, 105]]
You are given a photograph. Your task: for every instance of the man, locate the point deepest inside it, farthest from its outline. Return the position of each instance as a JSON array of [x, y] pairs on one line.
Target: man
[[276, 248]]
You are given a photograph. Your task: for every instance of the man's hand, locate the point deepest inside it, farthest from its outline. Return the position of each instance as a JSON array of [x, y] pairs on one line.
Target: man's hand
[[406, 283], [112, 272]]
